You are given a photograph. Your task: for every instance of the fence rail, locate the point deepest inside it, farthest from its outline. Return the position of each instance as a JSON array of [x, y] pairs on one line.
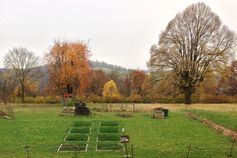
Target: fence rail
[[30, 151]]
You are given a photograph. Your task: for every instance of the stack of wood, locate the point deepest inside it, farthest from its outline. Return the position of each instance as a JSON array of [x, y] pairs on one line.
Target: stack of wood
[[158, 114]]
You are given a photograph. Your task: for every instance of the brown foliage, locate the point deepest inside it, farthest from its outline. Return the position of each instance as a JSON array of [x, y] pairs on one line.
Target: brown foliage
[[137, 78], [97, 80]]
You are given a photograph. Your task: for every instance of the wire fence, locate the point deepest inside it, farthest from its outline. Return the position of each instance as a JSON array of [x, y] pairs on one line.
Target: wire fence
[[128, 151]]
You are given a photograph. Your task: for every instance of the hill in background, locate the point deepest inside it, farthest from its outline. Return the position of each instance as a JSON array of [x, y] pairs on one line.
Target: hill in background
[[108, 67], [95, 65]]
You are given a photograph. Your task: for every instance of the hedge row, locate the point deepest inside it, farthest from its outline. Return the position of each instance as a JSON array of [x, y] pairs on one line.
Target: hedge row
[[135, 98]]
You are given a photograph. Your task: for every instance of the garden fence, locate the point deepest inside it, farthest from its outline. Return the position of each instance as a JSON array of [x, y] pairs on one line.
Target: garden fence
[[30, 151]]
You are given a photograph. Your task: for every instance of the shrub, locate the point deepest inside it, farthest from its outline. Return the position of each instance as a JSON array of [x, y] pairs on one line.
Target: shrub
[[115, 98], [94, 98], [210, 98], [40, 100], [135, 98], [81, 98], [53, 99], [70, 103], [30, 100]]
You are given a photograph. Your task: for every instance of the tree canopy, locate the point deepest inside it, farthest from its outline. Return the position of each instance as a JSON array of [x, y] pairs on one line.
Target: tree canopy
[[24, 64], [69, 66], [193, 43]]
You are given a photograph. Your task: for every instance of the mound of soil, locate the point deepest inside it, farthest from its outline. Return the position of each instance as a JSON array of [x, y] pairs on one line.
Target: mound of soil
[[225, 131], [124, 115], [2, 114]]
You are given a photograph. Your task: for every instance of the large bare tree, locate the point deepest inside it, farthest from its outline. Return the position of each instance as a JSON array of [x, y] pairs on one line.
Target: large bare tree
[[24, 64], [193, 43]]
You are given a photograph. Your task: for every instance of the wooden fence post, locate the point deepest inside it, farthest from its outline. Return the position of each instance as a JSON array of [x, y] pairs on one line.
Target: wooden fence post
[[132, 151], [27, 151], [189, 148], [231, 149]]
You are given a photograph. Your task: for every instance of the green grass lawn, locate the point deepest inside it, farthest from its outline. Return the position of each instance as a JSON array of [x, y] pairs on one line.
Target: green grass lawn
[[44, 130], [226, 119]]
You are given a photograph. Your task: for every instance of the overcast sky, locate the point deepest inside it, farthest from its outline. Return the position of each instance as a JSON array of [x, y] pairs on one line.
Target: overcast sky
[[120, 32]]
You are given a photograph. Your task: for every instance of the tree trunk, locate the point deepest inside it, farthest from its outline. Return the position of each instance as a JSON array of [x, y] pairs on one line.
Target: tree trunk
[[63, 99], [22, 92], [187, 95]]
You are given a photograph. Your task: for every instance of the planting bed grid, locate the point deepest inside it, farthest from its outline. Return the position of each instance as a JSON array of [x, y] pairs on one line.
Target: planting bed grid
[[107, 136]]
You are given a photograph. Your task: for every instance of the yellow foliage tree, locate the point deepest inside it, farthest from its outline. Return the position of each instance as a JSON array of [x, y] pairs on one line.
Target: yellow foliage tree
[[110, 92]]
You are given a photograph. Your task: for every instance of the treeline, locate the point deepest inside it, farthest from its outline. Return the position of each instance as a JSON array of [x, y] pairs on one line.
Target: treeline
[[137, 86], [68, 71]]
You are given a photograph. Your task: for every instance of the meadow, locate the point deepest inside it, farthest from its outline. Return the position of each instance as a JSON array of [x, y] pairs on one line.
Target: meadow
[[43, 129]]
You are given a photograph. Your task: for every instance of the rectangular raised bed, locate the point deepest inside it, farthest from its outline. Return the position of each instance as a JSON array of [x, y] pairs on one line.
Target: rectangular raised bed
[[71, 147], [76, 137], [82, 130], [109, 123], [82, 123], [108, 137], [108, 146], [108, 129]]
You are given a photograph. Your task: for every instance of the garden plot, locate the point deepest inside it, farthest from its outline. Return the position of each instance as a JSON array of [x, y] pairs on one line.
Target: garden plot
[[108, 138], [77, 137], [80, 130], [82, 123], [108, 146], [108, 129], [109, 123], [69, 147]]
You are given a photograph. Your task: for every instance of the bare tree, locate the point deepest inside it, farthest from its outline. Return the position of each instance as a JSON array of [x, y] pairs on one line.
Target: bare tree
[[7, 86], [193, 43], [24, 65]]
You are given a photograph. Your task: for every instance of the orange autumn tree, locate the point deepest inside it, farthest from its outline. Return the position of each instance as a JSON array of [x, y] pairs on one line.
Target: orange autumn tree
[[68, 66]]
